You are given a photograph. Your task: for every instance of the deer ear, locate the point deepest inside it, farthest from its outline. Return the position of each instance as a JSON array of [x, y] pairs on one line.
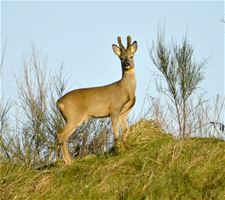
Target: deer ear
[[134, 47], [116, 50]]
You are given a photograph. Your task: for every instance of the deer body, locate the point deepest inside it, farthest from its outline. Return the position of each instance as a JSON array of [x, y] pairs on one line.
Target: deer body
[[114, 100]]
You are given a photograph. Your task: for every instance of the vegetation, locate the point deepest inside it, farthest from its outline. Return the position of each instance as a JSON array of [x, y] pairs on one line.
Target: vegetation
[[182, 75], [152, 165]]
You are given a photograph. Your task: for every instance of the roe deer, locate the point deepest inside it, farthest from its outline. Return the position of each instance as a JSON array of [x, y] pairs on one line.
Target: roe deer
[[114, 100]]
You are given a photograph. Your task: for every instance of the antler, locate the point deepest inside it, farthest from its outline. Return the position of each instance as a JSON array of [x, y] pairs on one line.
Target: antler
[[120, 43], [128, 41]]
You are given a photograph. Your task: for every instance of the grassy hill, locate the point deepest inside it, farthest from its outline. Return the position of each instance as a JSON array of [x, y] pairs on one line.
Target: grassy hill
[[152, 165]]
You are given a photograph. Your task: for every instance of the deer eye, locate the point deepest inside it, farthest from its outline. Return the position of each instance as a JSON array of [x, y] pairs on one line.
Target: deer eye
[[131, 57], [122, 59]]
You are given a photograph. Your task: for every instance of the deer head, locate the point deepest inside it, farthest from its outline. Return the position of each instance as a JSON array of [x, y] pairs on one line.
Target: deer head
[[126, 55]]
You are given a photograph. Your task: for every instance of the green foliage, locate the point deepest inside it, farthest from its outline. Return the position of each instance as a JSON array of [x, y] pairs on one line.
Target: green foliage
[[182, 75], [152, 165]]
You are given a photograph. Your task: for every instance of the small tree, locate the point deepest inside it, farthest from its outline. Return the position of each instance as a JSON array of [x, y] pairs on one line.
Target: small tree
[[39, 119], [182, 75]]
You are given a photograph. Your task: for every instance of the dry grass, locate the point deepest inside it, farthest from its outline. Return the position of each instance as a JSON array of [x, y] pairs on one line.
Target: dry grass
[[152, 165]]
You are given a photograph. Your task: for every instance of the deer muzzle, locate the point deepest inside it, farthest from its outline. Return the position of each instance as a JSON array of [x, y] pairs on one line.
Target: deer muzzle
[[127, 66]]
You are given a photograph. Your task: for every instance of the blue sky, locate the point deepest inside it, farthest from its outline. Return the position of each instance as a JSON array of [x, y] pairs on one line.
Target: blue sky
[[80, 35]]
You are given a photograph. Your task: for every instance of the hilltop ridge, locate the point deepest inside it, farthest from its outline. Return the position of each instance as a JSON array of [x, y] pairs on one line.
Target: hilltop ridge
[[152, 165]]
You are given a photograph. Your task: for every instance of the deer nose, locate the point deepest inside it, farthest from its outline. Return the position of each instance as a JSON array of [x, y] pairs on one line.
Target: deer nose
[[127, 64]]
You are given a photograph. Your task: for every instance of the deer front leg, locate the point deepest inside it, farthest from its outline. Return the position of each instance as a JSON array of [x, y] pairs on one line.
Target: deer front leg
[[115, 126], [124, 125], [127, 106]]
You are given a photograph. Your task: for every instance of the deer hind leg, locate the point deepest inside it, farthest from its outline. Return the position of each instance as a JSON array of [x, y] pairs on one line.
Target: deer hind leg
[[64, 135]]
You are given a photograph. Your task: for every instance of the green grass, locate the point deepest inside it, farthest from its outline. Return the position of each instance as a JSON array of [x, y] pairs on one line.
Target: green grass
[[152, 165]]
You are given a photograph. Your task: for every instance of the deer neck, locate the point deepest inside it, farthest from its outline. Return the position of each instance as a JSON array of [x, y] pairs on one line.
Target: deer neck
[[129, 81]]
